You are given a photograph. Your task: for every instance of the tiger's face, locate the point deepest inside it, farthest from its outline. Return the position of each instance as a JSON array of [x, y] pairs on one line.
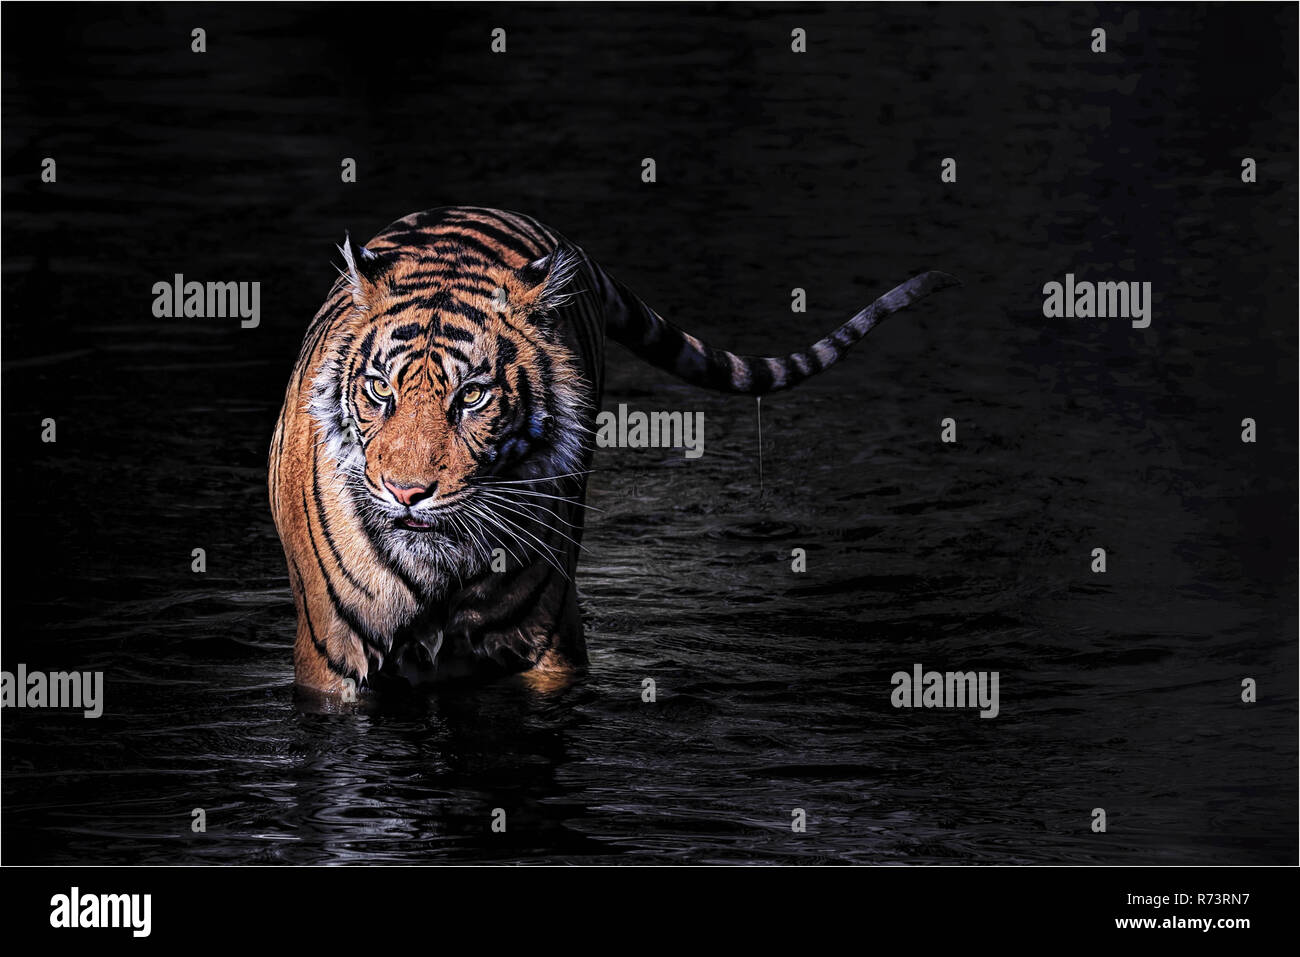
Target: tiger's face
[[445, 398], [435, 416]]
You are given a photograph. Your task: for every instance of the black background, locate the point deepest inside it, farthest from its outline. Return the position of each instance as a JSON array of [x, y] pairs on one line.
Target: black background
[[775, 170]]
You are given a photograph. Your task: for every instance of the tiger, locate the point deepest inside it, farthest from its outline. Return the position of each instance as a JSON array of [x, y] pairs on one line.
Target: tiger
[[428, 469]]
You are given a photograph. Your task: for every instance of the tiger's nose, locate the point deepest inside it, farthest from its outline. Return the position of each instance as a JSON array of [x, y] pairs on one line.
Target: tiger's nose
[[410, 494]]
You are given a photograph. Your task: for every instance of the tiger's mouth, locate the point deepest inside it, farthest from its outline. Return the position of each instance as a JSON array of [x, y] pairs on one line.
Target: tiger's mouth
[[424, 518], [413, 525]]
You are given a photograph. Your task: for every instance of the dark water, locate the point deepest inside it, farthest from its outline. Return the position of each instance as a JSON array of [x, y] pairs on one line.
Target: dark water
[[1118, 691]]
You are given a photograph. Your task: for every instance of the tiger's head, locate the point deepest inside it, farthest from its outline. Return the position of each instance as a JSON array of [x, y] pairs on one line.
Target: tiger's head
[[445, 391]]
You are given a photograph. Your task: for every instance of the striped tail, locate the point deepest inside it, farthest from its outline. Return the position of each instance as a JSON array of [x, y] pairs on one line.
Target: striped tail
[[632, 323]]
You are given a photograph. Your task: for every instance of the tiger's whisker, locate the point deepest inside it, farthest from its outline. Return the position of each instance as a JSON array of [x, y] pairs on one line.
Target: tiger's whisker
[[558, 498], [533, 518], [530, 505], [497, 519]]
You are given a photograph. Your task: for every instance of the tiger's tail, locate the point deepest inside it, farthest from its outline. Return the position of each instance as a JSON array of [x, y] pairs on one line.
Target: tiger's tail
[[632, 323]]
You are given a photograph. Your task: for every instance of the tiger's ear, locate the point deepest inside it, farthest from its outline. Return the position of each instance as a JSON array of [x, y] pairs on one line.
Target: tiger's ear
[[362, 269], [545, 284]]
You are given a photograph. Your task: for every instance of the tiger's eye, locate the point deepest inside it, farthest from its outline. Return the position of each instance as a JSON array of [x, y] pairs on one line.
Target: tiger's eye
[[381, 388], [472, 395]]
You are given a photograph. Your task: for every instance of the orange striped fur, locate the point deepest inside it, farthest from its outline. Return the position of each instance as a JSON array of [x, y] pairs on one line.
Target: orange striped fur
[[428, 469]]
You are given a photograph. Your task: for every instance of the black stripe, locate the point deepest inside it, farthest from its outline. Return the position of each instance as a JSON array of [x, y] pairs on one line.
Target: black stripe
[[507, 352], [405, 302], [524, 392], [491, 254], [464, 283], [454, 351], [456, 334], [340, 669], [386, 361], [393, 567], [524, 225], [410, 236], [432, 272], [462, 308], [514, 241], [760, 375], [401, 376], [523, 605], [346, 615], [367, 344], [325, 528], [279, 438], [718, 372], [432, 301]]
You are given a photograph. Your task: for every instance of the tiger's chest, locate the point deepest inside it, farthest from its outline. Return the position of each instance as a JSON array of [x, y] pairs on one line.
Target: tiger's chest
[[494, 627]]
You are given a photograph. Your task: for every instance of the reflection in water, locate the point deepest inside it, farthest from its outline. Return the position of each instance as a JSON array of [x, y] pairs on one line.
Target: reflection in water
[[427, 776]]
